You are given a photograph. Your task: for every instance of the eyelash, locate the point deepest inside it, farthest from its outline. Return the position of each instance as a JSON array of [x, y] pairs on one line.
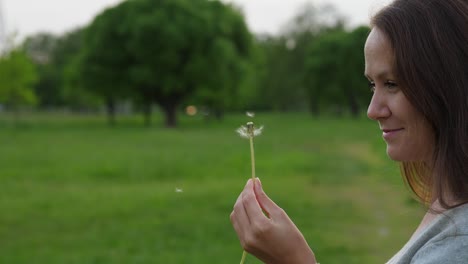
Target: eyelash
[[371, 86], [388, 84]]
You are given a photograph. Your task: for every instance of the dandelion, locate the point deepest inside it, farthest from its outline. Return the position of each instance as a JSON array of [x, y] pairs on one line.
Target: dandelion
[[179, 190], [249, 131]]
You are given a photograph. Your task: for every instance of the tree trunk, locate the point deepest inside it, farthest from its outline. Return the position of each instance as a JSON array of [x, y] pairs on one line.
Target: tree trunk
[[170, 114], [314, 108], [16, 116], [353, 105], [147, 114], [110, 106], [219, 114]]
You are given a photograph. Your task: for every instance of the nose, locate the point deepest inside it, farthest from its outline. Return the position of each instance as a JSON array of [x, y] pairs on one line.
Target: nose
[[378, 108]]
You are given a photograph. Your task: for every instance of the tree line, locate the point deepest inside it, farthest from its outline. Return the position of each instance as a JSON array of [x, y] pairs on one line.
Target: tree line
[[173, 53]]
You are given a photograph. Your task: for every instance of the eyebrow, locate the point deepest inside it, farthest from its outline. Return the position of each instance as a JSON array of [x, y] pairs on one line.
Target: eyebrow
[[380, 75]]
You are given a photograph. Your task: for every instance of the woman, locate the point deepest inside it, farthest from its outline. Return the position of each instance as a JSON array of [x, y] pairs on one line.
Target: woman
[[417, 66]]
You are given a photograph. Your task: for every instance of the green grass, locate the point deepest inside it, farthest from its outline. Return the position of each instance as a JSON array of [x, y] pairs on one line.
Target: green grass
[[73, 190]]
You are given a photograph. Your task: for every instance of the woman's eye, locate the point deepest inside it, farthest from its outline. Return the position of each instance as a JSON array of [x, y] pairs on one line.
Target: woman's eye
[[390, 84], [371, 86]]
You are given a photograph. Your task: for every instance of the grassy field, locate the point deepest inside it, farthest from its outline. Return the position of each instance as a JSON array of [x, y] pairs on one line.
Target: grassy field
[[73, 190]]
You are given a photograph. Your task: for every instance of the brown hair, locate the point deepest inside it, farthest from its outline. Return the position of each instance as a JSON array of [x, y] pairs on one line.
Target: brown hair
[[430, 43]]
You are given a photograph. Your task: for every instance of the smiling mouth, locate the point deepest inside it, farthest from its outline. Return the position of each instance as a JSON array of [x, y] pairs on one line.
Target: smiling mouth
[[390, 133], [391, 130]]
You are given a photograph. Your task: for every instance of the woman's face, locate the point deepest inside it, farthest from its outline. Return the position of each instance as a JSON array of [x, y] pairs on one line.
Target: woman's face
[[408, 135]]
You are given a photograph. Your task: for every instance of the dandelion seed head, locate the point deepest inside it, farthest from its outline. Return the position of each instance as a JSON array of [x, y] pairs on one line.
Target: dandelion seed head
[[258, 131], [249, 130], [179, 190], [243, 132]]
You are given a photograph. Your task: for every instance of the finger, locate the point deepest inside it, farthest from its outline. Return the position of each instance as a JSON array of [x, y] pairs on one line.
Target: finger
[[239, 218], [239, 210], [268, 206], [251, 205]]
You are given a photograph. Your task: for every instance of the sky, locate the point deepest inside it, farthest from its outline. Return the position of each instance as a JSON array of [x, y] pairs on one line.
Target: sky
[[26, 17]]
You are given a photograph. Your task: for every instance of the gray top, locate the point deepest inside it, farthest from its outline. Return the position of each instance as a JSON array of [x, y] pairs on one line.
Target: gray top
[[444, 240]]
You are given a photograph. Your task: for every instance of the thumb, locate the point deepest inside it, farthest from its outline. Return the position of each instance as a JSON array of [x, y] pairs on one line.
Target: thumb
[[267, 205]]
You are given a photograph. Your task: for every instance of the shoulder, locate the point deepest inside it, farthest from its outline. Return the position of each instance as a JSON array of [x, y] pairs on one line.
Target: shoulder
[[455, 221], [450, 249], [449, 240]]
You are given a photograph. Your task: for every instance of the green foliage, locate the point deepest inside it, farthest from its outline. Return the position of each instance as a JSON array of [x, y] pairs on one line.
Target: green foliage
[[52, 55], [179, 52], [227, 61], [104, 62], [167, 52], [335, 65], [280, 74], [76, 96], [65, 58], [17, 77], [39, 48], [101, 68], [285, 78], [76, 191]]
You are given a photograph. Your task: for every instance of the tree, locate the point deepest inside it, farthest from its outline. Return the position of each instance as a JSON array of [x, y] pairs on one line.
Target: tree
[[166, 52], [51, 54], [357, 89], [334, 71], [187, 47], [283, 84], [64, 60], [75, 94], [40, 49], [325, 71], [227, 60], [103, 65], [280, 84], [17, 77]]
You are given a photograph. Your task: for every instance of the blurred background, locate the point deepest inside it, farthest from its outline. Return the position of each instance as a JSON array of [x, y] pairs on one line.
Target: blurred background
[[118, 119]]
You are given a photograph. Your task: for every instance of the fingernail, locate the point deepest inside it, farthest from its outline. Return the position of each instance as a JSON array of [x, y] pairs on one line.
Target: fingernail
[[259, 183]]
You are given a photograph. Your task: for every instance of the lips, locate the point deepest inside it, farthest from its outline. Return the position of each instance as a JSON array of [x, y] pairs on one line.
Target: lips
[[391, 130], [390, 133]]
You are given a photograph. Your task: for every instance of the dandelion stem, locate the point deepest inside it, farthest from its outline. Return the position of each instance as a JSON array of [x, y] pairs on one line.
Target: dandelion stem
[[249, 132], [252, 157], [244, 254]]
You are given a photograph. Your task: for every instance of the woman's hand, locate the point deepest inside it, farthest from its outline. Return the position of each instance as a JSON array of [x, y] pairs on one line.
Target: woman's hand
[[266, 231]]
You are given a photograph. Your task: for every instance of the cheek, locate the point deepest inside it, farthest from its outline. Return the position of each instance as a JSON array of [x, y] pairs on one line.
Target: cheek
[[421, 140], [427, 137]]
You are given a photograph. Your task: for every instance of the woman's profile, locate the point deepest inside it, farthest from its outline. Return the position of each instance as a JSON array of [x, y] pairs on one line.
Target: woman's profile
[[416, 58]]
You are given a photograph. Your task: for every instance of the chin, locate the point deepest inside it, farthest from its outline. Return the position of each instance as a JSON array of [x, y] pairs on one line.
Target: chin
[[395, 155], [405, 154]]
